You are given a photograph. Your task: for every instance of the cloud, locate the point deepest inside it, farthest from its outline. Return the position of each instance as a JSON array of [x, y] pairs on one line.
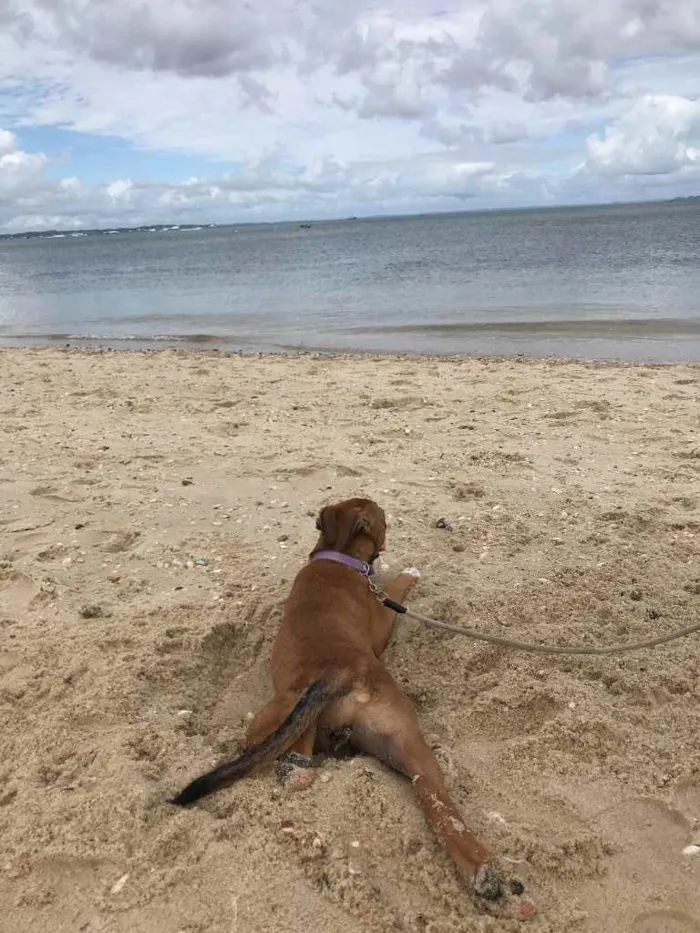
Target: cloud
[[564, 47], [659, 135], [209, 38], [8, 142], [298, 108], [538, 49], [260, 190], [18, 169], [120, 190]]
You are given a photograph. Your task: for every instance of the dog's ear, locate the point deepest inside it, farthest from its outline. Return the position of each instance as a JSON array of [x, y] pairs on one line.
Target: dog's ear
[[327, 524], [363, 525], [371, 521]]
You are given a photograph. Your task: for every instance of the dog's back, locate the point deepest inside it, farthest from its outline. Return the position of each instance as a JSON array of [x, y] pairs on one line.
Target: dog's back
[[325, 626]]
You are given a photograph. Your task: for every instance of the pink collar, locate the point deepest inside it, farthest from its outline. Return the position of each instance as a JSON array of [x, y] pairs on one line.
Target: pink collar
[[361, 566]]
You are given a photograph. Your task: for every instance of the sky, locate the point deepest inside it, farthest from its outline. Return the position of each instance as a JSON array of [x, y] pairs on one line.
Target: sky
[[126, 112]]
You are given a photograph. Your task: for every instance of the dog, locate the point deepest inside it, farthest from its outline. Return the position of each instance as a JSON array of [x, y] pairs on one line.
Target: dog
[[332, 688]]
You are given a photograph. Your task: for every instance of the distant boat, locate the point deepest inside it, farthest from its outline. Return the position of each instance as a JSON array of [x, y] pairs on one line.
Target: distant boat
[[304, 226]]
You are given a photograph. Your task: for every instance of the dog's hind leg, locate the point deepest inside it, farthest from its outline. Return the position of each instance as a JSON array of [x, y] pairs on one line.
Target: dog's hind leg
[[270, 717], [387, 728]]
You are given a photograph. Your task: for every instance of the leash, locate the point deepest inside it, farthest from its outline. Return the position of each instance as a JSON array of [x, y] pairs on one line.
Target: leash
[[365, 570], [529, 646]]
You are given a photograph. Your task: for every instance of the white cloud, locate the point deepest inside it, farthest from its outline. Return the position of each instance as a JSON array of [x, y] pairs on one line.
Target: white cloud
[[18, 169], [120, 190], [341, 107], [22, 223], [658, 135], [261, 191], [565, 46], [8, 142]]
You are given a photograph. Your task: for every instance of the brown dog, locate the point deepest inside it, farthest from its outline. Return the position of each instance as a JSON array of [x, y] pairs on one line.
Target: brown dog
[[329, 681]]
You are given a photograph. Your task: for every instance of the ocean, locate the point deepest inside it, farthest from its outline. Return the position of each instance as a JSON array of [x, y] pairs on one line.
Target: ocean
[[613, 282]]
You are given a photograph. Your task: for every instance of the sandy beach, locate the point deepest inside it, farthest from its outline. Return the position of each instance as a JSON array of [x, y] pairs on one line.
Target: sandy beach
[[154, 508]]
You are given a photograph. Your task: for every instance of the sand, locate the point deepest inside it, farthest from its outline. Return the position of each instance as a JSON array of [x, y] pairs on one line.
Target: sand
[[154, 508]]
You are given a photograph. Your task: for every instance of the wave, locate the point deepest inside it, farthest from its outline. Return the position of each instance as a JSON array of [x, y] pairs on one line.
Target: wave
[[657, 340], [590, 327], [214, 339]]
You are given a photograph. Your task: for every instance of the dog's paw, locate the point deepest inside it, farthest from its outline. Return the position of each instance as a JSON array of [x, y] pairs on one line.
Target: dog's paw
[[412, 572], [502, 898], [295, 771], [488, 884], [299, 779]]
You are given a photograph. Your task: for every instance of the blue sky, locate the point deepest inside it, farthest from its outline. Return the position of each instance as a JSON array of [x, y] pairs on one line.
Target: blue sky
[[225, 111], [98, 160]]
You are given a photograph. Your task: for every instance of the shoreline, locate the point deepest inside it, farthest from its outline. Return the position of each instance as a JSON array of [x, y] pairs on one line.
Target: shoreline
[[155, 507], [344, 355]]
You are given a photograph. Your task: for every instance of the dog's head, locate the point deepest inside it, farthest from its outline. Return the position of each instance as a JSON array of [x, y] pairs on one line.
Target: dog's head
[[342, 524]]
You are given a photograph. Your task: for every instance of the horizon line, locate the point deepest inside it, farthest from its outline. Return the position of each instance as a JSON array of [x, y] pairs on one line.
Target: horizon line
[[161, 226]]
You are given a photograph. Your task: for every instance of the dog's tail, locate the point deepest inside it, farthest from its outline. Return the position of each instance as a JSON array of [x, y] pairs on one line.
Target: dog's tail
[[304, 714]]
